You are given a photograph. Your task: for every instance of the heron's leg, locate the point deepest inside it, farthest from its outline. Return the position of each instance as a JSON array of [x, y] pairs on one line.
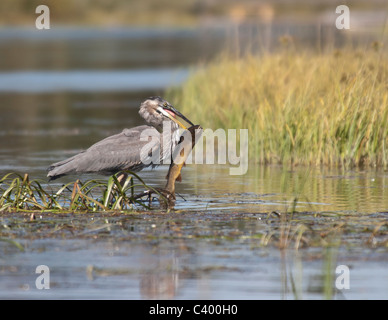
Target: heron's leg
[[122, 177]]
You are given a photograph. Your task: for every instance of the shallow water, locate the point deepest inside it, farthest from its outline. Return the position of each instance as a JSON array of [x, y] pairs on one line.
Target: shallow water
[[213, 246], [186, 256], [130, 270]]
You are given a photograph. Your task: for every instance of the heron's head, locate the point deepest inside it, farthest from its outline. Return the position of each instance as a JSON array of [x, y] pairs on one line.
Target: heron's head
[[155, 110]]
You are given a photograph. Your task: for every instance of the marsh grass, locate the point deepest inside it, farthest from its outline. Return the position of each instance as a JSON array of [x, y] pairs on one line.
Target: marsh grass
[[20, 193], [299, 107]]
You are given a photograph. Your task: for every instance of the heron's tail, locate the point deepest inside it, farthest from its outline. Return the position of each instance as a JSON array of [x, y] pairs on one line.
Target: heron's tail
[[61, 168]]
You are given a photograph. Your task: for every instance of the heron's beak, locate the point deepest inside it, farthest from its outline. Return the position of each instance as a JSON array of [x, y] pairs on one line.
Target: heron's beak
[[177, 113]]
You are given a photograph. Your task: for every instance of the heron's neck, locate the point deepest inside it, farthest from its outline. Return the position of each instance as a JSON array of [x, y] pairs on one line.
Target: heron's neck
[[169, 138], [171, 131], [175, 132]]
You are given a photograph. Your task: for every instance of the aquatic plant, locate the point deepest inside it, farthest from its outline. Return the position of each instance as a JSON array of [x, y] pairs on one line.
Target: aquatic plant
[[299, 107], [20, 193]]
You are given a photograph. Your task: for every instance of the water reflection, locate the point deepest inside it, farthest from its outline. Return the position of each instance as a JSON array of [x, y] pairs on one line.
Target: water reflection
[[85, 269], [266, 188], [162, 282]]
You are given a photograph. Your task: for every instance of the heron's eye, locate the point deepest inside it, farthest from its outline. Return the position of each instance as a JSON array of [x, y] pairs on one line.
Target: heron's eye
[[165, 104]]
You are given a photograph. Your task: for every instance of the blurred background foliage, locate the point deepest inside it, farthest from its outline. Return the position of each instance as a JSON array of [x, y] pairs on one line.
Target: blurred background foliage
[[174, 12]]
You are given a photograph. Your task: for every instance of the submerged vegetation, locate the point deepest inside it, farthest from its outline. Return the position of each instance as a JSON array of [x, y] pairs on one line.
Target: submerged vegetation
[[300, 108]]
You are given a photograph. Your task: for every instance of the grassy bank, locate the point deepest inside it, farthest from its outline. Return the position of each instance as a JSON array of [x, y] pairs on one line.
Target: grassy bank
[[300, 108]]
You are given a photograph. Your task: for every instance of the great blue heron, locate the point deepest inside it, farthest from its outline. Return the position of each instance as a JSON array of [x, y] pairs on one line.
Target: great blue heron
[[129, 150]]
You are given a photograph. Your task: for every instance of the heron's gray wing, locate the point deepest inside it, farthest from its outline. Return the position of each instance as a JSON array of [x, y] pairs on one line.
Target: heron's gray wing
[[129, 150]]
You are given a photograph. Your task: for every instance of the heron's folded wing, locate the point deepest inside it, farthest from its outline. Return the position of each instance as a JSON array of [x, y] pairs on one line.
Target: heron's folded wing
[[128, 150], [124, 151]]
